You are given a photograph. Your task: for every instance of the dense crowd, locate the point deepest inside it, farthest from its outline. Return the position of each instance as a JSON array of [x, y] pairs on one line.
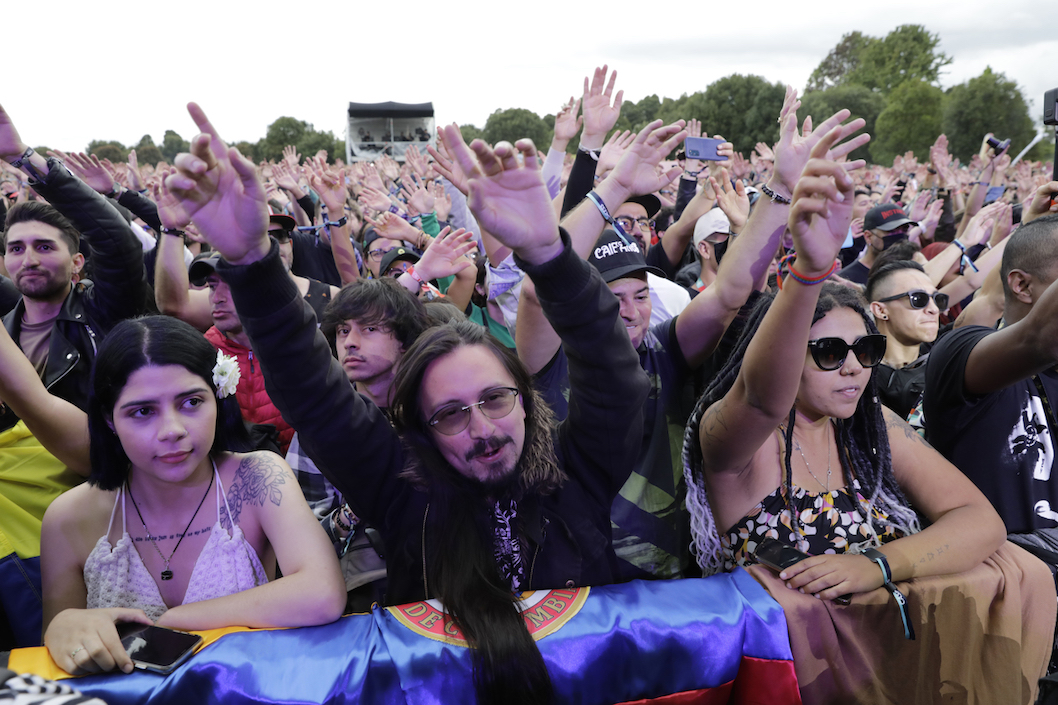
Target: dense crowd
[[298, 388]]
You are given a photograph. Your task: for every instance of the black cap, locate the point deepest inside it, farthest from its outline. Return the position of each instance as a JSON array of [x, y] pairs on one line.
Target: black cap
[[616, 258], [397, 253], [202, 266], [886, 217], [650, 203], [286, 222]]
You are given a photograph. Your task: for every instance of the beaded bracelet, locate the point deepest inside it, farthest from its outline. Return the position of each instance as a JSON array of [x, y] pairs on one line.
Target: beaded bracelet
[[775, 198]]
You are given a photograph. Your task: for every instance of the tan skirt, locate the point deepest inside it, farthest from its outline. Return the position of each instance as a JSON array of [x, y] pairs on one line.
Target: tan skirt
[[983, 636]]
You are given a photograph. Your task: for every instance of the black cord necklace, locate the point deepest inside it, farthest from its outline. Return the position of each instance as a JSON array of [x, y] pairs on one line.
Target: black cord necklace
[[166, 573]]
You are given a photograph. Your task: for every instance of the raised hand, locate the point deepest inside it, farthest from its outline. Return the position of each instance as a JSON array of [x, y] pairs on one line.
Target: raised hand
[[931, 219], [613, 150], [374, 199], [419, 199], [442, 202], [636, 172], [694, 129], [393, 227], [821, 207], [291, 157], [980, 227], [414, 159], [732, 200], [567, 123], [389, 167], [919, 206], [445, 257], [135, 181], [764, 151], [600, 114], [446, 166], [793, 149], [739, 166], [170, 209], [509, 200], [88, 169], [219, 189], [286, 178], [1042, 202], [11, 145], [329, 184]]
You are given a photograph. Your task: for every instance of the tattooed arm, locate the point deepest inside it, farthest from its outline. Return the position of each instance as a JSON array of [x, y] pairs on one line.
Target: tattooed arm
[[964, 529], [264, 498]]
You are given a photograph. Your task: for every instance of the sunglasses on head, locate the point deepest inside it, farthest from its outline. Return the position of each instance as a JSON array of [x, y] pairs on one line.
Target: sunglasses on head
[[920, 299], [830, 353]]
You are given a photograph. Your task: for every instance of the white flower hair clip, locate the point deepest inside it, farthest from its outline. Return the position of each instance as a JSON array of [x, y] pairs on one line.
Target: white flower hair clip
[[225, 375]]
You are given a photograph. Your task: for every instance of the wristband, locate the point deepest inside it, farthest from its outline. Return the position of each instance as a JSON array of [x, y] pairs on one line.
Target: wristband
[[172, 231], [593, 153], [959, 245], [410, 271], [878, 557], [115, 191], [337, 519], [788, 260], [340, 223], [394, 209], [605, 213], [23, 159], [775, 198]]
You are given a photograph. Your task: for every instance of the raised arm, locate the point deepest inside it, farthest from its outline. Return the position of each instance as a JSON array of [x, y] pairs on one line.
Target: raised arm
[[220, 190], [172, 292], [608, 386], [745, 266], [734, 428]]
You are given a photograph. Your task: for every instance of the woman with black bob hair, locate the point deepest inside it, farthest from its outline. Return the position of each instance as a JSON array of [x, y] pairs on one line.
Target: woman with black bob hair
[[790, 442], [180, 523], [157, 341]]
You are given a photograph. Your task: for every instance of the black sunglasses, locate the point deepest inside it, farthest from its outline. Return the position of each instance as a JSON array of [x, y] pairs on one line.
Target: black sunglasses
[[830, 353], [920, 299]]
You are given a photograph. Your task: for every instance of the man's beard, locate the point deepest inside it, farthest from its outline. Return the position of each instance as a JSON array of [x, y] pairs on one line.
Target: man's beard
[[45, 287], [501, 480]]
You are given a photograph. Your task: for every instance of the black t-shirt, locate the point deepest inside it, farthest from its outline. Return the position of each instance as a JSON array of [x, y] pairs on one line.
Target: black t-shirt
[[856, 272], [313, 259], [1001, 440]]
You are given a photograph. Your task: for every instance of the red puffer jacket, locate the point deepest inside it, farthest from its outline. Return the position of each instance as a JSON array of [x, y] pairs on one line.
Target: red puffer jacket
[[250, 393]]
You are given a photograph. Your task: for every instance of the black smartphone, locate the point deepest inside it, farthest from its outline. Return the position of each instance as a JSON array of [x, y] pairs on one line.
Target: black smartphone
[[777, 555], [703, 148], [156, 648]]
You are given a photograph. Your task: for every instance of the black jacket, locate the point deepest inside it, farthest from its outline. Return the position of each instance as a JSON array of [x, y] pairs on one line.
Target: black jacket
[[117, 290], [355, 447]]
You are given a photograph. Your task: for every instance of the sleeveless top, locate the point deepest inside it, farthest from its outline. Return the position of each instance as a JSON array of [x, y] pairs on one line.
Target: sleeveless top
[[116, 576], [830, 522]]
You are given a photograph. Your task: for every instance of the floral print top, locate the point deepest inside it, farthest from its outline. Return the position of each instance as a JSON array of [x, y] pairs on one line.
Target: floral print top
[[830, 522]]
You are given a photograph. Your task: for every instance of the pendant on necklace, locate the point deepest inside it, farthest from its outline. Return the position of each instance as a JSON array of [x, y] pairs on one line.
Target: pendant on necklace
[[167, 575]]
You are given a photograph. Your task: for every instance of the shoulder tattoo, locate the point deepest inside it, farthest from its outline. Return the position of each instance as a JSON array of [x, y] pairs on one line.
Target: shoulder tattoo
[[259, 478], [894, 424]]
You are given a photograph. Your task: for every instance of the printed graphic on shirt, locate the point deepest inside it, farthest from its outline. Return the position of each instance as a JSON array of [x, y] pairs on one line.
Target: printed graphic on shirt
[[1031, 440]]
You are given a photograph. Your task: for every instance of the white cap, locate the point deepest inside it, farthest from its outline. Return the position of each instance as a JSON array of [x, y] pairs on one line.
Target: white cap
[[712, 222]]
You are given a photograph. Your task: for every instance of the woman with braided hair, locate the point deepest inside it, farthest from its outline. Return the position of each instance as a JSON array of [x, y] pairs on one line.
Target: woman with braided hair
[[790, 442]]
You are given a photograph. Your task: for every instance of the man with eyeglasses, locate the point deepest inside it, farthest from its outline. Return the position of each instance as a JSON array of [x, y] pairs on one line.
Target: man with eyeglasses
[[883, 226], [480, 485], [906, 307], [375, 249]]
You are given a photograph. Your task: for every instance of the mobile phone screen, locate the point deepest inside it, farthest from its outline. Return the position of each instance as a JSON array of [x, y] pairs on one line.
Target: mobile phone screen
[[156, 648], [777, 555]]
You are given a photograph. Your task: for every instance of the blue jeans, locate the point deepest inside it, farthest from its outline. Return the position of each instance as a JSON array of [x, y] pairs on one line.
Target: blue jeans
[[20, 599]]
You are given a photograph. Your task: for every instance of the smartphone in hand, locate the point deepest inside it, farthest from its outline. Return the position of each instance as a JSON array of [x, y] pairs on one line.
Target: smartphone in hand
[[156, 649]]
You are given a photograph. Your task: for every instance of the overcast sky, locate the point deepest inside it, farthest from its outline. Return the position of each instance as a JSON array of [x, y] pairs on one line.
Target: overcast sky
[[76, 74]]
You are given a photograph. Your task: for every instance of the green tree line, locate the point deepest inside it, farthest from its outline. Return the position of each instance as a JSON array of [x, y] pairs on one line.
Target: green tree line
[[892, 82]]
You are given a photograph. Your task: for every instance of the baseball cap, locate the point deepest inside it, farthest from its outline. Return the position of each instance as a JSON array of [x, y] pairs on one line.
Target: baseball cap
[[397, 253], [886, 217], [712, 222], [202, 266], [651, 203], [615, 258], [286, 222]]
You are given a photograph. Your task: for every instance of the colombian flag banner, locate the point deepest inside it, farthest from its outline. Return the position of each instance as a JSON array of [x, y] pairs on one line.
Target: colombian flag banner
[[721, 639]]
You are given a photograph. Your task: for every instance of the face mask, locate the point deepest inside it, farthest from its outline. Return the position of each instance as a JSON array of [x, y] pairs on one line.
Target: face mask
[[719, 248], [888, 242]]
